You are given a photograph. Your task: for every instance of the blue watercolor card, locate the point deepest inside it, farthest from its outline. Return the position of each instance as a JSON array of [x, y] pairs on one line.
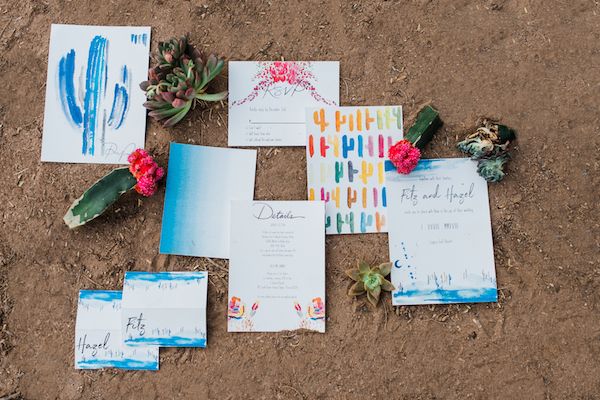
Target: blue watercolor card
[[98, 340], [165, 309], [201, 184], [440, 234], [94, 109]]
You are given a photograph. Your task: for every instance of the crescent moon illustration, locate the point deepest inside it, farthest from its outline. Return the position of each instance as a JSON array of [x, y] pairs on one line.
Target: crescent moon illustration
[[396, 264]]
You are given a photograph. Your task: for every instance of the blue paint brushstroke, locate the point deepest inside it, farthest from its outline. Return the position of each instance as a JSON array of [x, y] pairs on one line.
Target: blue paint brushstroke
[[164, 276], [145, 38], [442, 296], [121, 364], [120, 103], [102, 295], [96, 68], [174, 341], [66, 88]]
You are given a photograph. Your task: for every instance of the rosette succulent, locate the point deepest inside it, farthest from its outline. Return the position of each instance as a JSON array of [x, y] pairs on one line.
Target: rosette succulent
[[486, 140], [492, 169], [489, 144], [179, 80], [370, 280]]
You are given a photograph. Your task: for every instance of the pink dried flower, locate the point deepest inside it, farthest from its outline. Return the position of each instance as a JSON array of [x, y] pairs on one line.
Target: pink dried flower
[[146, 171], [405, 156]]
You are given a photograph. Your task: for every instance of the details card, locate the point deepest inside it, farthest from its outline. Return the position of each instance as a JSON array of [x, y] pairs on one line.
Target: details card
[[201, 183], [98, 340], [267, 99], [440, 234], [345, 154], [165, 308], [277, 266], [94, 109]]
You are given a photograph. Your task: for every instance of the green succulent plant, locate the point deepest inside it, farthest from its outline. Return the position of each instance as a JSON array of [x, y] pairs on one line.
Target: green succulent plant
[[370, 280], [492, 169], [489, 145], [179, 80], [476, 146]]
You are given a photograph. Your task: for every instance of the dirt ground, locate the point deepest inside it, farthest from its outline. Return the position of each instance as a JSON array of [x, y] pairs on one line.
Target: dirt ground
[[533, 64]]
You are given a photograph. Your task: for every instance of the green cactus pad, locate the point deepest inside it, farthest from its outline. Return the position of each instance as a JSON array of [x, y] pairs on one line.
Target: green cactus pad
[[428, 121], [99, 197]]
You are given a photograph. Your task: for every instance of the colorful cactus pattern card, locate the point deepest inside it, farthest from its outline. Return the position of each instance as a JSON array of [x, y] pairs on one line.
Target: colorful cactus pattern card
[[165, 309], [440, 234], [201, 183], [267, 99], [277, 266], [345, 153], [94, 108], [98, 340]]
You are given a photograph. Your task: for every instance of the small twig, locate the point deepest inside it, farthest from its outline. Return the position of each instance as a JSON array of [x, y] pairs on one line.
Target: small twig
[[11, 396]]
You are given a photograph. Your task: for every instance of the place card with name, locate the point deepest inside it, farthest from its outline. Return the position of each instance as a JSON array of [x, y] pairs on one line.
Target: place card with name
[[98, 340], [165, 309]]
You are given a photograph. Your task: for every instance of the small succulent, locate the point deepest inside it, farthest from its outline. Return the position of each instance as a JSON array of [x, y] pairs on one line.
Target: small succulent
[[370, 280], [492, 169], [489, 144], [179, 80], [487, 139]]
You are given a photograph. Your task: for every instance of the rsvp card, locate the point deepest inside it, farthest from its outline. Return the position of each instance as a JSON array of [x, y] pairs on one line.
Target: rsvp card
[[277, 266], [201, 183], [164, 308], [267, 99], [345, 153], [98, 340], [440, 234]]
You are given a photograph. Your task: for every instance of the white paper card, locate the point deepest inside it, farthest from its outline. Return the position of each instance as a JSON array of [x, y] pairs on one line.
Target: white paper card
[[98, 341], [201, 183], [165, 308], [440, 234], [345, 155], [94, 107], [267, 99], [277, 266]]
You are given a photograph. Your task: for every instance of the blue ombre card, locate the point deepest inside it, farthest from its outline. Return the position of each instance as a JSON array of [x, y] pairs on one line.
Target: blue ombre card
[[98, 341], [201, 183], [164, 309]]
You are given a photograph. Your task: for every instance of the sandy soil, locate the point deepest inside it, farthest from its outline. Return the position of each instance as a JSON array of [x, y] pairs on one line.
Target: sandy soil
[[532, 64]]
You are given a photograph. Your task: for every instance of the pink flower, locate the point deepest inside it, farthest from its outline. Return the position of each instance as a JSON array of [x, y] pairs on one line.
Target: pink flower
[[279, 71], [146, 171], [405, 156]]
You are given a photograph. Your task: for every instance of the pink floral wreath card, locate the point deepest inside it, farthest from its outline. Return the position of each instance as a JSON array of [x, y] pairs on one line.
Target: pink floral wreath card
[[276, 266], [267, 99], [346, 152]]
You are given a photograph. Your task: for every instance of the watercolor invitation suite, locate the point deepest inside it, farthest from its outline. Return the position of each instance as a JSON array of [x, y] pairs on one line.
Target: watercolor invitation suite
[[277, 266], [267, 99], [164, 308], [345, 154], [98, 340], [94, 108], [201, 183], [440, 234]]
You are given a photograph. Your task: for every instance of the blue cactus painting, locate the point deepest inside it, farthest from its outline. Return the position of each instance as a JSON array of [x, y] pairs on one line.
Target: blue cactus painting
[[90, 96]]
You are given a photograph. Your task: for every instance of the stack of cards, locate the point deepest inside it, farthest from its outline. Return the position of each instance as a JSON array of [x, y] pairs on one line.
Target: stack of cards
[[125, 329]]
